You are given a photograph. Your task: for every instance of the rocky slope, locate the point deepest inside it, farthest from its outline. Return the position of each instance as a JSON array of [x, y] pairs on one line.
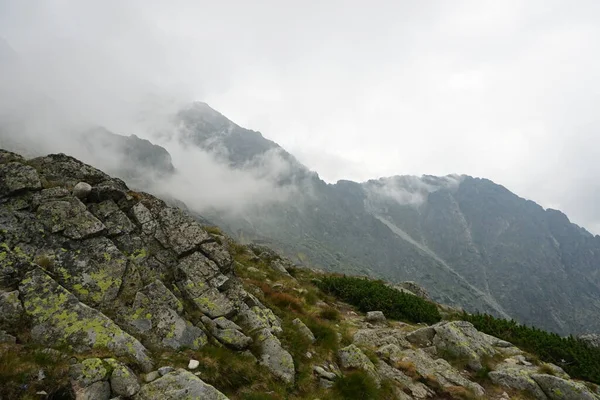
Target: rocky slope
[[106, 292]]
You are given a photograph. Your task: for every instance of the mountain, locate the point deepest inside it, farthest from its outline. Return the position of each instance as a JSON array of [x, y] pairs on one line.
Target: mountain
[[106, 292], [470, 242]]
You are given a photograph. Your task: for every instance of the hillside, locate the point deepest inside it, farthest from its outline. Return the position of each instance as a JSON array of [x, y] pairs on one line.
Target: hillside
[[107, 292]]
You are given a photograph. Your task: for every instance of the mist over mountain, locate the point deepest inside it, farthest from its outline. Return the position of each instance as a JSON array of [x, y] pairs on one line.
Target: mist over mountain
[[470, 242]]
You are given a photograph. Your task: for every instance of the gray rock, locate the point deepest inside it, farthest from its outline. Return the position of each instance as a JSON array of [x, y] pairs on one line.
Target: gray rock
[[82, 190], [183, 233], [93, 271], [165, 370], [440, 369], [375, 317], [6, 338], [561, 389], [155, 317], [351, 357], [224, 323], [326, 383], [112, 217], [218, 254], [88, 371], [422, 337], [124, 382], [320, 371], [16, 177], [67, 171], [60, 319], [96, 391], [591, 339], [519, 379], [414, 288], [179, 384], [112, 189], [462, 339], [192, 274], [379, 336], [304, 330], [69, 216], [11, 309], [257, 318], [275, 357], [151, 376]]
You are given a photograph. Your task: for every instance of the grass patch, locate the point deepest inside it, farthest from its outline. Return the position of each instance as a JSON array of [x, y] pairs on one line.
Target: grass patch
[[330, 314], [356, 385]]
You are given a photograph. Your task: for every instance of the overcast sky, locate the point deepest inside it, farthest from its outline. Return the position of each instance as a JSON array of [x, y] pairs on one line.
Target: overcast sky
[[507, 90]]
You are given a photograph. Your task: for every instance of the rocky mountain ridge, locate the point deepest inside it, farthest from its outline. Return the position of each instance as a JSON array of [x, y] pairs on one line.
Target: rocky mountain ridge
[[106, 292]]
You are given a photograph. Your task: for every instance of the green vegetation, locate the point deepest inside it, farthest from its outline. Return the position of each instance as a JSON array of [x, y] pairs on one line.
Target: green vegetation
[[356, 385], [370, 295], [574, 356]]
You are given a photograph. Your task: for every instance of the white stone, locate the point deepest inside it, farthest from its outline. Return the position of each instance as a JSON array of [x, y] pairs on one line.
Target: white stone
[[193, 364], [82, 190]]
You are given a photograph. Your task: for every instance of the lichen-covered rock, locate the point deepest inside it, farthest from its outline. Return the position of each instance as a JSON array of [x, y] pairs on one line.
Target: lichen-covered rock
[[70, 217], [275, 357], [413, 288], [230, 335], [417, 389], [218, 254], [92, 270], [96, 391], [112, 217], [375, 316], [82, 190], [304, 330], [379, 337], [422, 337], [462, 339], [258, 318], [183, 233], [351, 357], [89, 371], [60, 319], [192, 274], [11, 309], [519, 379], [112, 189], [155, 318], [16, 177], [561, 389], [123, 381], [445, 374], [66, 170], [179, 384]]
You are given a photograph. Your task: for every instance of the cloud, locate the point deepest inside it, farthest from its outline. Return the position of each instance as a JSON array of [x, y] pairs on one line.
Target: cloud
[[503, 90], [408, 190]]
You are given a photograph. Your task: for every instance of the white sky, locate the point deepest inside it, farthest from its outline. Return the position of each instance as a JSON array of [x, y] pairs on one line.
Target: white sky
[[507, 90]]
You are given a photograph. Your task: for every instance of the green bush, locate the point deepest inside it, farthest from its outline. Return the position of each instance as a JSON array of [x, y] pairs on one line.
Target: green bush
[[369, 295], [574, 356], [356, 385]]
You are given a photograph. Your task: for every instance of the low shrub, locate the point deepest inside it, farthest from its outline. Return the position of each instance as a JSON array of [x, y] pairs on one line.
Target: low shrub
[[330, 314], [369, 295], [356, 385]]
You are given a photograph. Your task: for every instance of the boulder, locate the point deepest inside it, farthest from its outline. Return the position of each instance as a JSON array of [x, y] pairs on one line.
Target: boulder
[[304, 330], [591, 339], [6, 338], [461, 339], [379, 337], [179, 384], [11, 309], [96, 391], [70, 217], [123, 381], [115, 220], [60, 319], [422, 337], [375, 317], [351, 357], [183, 233], [519, 379], [561, 389], [155, 317], [16, 177], [82, 190], [88, 371], [275, 357]]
